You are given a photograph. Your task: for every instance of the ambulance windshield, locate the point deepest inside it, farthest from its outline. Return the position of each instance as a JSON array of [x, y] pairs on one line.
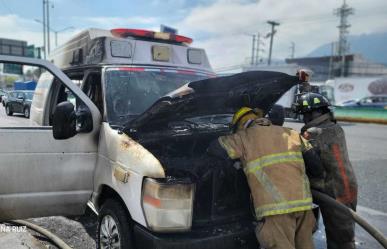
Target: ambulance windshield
[[130, 91]]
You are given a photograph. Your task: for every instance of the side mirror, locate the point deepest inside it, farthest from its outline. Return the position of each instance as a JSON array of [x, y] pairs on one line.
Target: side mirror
[[358, 102], [64, 121]]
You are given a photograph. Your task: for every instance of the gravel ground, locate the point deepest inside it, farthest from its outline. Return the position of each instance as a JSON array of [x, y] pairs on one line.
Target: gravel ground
[[18, 240], [77, 232]]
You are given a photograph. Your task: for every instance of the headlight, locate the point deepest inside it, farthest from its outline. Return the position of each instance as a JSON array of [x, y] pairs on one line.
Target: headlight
[[168, 205]]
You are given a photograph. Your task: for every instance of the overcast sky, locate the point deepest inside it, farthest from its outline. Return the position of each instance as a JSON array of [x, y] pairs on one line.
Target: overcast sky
[[222, 27]]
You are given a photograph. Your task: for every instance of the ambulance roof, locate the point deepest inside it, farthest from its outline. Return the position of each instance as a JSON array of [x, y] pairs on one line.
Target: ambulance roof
[[129, 47]]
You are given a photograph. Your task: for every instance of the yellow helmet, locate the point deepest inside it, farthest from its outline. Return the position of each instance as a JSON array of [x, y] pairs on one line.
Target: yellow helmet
[[243, 115]]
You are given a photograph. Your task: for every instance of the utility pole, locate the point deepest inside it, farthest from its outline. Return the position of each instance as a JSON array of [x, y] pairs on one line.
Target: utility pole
[[253, 50], [44, 29], [273, 31], [330, 70], [292, 50], [343, 47], [259, 42]]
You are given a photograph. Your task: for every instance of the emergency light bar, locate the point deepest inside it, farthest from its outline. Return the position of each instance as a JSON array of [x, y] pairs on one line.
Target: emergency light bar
[[123, 33]]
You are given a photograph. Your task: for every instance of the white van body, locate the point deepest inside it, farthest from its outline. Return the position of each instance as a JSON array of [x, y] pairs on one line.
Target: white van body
[[130, 148], [104, 167]]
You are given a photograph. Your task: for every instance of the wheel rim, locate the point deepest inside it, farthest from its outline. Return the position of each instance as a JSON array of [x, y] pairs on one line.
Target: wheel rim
[[109, 235], [26, 113], [7, 109]]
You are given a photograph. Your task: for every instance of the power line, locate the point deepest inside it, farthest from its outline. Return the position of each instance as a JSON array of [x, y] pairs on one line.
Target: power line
[[7, 7], [259, 49], [311, 19]]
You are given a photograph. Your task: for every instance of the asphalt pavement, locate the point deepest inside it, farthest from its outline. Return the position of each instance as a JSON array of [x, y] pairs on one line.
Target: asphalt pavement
[[367, 145], [15, 120]]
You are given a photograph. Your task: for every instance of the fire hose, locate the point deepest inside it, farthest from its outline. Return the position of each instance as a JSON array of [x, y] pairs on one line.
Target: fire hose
[[320, 197], [55, 239]]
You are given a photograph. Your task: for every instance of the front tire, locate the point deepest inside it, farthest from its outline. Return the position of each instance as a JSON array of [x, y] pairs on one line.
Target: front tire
[[8, 110], [27, 112], [114, 226]]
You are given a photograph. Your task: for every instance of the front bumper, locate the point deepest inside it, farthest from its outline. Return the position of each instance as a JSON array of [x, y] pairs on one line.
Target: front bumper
[[229, 236]]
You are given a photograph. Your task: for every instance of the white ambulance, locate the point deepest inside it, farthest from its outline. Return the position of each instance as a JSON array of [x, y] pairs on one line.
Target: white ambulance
[[130, 142]]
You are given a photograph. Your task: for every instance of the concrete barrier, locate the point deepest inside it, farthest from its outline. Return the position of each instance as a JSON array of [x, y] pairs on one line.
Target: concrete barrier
[[364, 115]]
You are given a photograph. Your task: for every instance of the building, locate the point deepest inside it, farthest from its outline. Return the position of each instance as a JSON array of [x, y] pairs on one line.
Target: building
[[12, 72], [328, 67], [18, 48]]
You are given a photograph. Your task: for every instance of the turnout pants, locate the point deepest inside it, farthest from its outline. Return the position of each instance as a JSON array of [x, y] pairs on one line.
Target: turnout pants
[[339, 228], [287, 231]]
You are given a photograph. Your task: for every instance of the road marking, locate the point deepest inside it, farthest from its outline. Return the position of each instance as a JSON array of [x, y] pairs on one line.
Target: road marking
[[371, 211]]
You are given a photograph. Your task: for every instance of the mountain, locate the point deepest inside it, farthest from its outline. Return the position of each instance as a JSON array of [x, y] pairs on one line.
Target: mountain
[[372, 46]]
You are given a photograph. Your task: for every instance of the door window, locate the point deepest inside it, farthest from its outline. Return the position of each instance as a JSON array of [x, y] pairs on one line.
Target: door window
[[60, 93], [92, 87]]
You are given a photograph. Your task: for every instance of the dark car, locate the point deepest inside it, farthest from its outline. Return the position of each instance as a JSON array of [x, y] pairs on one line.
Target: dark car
[[19, 102], [376, 101]]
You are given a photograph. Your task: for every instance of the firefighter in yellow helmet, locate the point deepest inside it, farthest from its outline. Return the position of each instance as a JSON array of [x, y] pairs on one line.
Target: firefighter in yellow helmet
[[272, 158]]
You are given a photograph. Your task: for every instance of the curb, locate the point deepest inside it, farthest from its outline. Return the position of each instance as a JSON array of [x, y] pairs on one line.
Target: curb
[[361, 120]]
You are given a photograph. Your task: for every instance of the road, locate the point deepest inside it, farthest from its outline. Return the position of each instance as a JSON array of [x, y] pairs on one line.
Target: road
[[367, 146], [14, 120]]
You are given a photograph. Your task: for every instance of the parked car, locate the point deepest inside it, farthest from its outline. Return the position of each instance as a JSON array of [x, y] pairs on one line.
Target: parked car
[[376, 101], [19, 102]]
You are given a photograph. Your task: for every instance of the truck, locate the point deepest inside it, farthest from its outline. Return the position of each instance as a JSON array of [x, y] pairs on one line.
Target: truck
[[24, 85], [130, 142]]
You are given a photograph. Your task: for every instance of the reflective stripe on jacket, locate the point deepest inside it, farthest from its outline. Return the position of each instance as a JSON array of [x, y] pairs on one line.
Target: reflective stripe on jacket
[[272, 160], [329, 138]]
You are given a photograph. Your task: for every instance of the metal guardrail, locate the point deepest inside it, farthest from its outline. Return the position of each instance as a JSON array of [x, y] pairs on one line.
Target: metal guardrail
[[365, 115]]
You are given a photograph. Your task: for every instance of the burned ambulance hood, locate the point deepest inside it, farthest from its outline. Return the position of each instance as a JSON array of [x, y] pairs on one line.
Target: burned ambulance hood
[[222, 95]]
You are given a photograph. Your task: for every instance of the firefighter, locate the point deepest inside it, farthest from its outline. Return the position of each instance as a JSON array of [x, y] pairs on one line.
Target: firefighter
[[339, 182], [272, 159]]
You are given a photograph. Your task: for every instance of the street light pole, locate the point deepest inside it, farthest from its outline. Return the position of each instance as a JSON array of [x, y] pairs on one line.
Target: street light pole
[[44, 28], [48, 26], [58, 31]]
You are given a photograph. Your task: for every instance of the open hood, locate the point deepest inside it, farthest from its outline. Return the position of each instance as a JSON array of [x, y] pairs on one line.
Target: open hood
[[222, 95]]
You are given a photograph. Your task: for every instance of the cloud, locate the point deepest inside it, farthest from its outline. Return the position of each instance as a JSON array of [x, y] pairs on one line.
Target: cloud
[[106, 21], [19, 28], [223, 27], [227, 23], [15, 27]]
